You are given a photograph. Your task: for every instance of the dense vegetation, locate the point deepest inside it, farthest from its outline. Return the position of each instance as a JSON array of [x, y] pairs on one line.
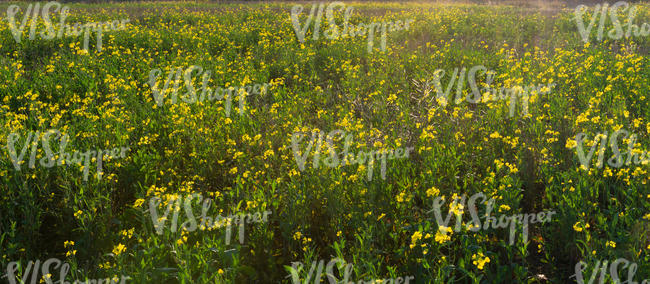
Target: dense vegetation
[[244, 161]]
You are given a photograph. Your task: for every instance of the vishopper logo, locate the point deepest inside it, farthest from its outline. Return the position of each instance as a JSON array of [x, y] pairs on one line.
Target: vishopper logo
[[615, 161], [63, 157], [206, 92], [33, 268], [502, 93], [443, 96], [297, 268], [348, 158], [207, 223], [456, 208], [617, 31], [63, 29], [614, 268], [348, 30]]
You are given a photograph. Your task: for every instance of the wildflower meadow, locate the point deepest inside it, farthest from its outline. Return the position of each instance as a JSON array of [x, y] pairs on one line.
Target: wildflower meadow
[[337, 142]]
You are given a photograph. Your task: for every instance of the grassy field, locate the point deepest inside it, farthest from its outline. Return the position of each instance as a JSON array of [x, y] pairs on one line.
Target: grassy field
[[240, 154]]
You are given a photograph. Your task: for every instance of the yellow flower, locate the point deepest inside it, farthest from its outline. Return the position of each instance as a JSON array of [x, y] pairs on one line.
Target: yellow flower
[[233, 170], [456, 207], [268, 153], [138, 202], [127, 233], [480, 260], [578, 228], [571, 143], [119, 249], [432, 191], [220, 271], [403, 197], [611, 244], [415, 237], [78, 213], [441, 234]]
